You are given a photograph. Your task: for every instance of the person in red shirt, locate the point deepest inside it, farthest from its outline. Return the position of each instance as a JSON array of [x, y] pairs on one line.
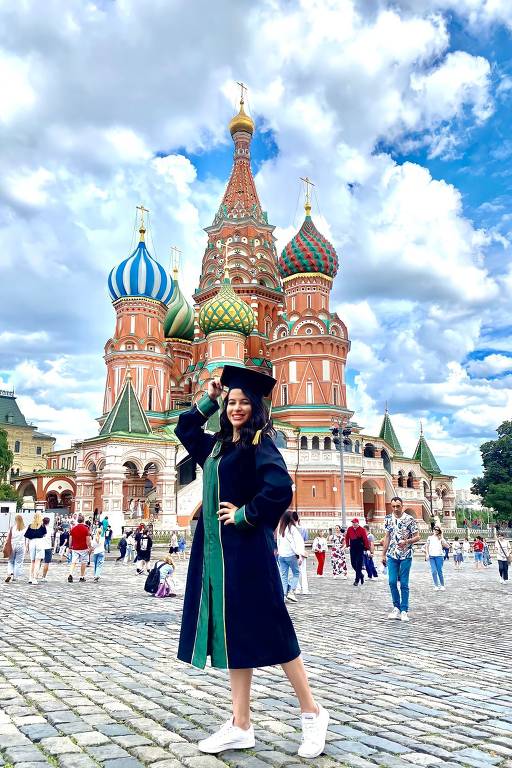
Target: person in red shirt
[[478, 549], [357, 539], [80, 546]]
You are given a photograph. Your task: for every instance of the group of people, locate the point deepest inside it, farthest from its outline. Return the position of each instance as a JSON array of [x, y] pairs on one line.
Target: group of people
[[139, 508]]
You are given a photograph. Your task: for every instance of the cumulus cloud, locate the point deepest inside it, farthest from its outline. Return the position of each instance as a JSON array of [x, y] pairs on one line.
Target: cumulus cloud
[[491, 365]]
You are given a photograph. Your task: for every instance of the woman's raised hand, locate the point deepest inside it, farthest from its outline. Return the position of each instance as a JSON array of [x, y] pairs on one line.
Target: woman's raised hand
[[214, 388]]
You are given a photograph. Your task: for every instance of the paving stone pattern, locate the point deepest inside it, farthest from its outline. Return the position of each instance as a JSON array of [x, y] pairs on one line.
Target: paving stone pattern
[[89, 677]]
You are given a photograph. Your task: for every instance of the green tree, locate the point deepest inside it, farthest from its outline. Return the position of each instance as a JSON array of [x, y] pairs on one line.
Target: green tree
[[6, 455], [8, 493], [495, 485]]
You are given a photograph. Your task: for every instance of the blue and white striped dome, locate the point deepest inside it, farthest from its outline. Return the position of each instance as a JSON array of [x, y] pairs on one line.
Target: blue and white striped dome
[[140, 275]]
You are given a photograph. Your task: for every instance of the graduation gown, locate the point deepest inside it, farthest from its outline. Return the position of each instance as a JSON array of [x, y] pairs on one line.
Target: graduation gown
[[234, 609]]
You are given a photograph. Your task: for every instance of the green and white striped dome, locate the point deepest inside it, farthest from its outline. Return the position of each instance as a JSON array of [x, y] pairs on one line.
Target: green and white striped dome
[[179, 321]]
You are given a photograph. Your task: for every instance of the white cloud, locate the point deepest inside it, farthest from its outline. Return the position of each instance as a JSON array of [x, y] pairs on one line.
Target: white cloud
[[491, 365]]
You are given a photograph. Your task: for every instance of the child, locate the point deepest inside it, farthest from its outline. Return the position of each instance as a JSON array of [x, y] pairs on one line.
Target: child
[[457, 553], [166, 588]]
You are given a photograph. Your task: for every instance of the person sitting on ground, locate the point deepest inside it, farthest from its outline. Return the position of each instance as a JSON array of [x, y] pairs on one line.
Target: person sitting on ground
[[167, 587]]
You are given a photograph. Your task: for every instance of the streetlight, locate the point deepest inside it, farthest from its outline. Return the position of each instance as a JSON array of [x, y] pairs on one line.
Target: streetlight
[[339, 444]]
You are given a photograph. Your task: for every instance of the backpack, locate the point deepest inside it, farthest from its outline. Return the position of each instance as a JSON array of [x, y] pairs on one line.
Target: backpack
[[153, 579]]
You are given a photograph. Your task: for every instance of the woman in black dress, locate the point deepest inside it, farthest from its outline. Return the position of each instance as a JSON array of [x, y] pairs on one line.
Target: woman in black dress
[[234, 610]]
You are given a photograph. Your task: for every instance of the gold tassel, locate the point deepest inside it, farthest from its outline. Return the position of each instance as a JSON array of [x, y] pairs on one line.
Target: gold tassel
[[257, 437]]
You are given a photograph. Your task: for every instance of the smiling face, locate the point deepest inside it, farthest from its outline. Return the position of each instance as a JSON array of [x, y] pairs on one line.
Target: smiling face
[[238, 408]]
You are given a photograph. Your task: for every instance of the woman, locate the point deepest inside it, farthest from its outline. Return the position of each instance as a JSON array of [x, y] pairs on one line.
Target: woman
[[486, 555], [338, 560], [16, 536], [457, 553], [320, 550], [34, 540], [290, 553], [129, 547], [478, 551], [173, 543], [98, 553], [144, 544], [434, 550], [502, 553], [234, 609], [166, 587]]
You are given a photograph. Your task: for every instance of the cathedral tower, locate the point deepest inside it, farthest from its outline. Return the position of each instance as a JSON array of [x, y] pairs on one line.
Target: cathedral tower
[[240, 231], [140, 289], [309, 344]]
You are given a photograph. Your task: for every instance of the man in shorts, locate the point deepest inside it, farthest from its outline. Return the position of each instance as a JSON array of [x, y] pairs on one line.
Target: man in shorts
[[48, 549], [80, 546]]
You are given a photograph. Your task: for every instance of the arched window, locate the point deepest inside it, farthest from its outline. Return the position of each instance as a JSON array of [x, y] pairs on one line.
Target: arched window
[[327, 444], [17, 446], [347, 446], [386, 461], [357, 447], [369, 451], [410, 480], [315, 443], [303, 443], [401, 479]]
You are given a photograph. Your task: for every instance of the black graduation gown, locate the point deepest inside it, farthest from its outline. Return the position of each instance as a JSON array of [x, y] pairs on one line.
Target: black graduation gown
[[234, 609]]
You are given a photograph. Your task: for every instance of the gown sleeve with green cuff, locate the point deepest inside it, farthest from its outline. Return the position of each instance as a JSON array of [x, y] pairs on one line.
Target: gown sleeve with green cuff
[[190, 431]]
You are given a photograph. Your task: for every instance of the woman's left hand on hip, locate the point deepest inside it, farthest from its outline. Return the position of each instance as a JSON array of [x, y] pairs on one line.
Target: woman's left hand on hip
[[226, 512]]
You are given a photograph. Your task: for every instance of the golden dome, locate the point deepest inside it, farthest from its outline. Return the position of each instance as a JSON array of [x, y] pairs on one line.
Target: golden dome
[[241, 122]]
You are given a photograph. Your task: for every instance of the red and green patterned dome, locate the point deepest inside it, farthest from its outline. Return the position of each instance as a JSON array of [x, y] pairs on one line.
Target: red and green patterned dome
[[308, 251]]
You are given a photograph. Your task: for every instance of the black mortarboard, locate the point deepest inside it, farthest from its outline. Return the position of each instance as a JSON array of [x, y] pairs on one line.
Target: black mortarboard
[[259, 384]]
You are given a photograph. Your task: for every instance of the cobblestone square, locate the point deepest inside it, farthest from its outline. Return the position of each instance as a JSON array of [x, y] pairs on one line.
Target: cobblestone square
[[89, 676]]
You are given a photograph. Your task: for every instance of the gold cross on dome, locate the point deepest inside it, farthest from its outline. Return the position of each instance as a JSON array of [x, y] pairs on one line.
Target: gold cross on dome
[[175, 257], [243, 91], [142, 212], [307, 181]]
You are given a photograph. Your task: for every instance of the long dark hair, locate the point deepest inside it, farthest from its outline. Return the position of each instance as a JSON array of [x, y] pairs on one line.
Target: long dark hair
[[259, 419], [286, 521]]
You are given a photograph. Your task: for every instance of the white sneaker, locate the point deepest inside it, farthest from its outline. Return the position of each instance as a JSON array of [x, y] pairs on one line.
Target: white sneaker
[[442, 589], [395, 614], [229, 736], [404, 616], [314, 731], [436, 589], [291, 597]]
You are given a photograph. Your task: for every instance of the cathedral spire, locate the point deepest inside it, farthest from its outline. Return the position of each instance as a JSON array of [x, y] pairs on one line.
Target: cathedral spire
[[388, 434]]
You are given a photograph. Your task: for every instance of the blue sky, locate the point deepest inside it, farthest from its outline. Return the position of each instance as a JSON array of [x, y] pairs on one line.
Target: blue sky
[[399, 111]]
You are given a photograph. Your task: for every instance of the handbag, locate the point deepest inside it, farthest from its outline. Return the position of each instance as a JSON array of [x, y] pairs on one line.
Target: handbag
[[509, 557], [8, 545]]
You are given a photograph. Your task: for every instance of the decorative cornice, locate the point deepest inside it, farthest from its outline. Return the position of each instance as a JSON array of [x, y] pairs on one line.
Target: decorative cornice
[[307, 274]]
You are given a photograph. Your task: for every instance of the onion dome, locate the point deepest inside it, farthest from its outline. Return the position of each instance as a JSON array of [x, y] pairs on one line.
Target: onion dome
[[226, 312], [179, 321], [308, 251], [241, 122], [140, 275]]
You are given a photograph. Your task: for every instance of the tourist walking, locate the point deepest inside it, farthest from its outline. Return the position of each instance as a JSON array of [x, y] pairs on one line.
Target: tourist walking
[[143, 546], [434, 551], [98, 553], [320, 550], [182, 545], [401, 532], [34, 537], [504, 556], [290, 552], [486, 555], [80, 546], [15, 546], [48, 548], [357, 540], [478, 552], [303, 585], [457, 553], [466, 549], [173, 543], [166, 588], [130, 545], [233, 575], [108, 538], [338, 559], [121, 545], [63, 544], [369, 564]]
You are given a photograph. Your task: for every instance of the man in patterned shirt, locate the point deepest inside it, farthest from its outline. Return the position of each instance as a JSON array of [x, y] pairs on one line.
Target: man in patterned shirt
[[401, 533]]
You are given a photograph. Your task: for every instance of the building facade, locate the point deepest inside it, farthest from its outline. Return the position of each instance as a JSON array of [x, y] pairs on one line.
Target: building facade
[[250, 308], [29, 446]]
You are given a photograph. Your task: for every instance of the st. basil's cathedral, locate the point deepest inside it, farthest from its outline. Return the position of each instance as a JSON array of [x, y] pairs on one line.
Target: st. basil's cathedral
[[250, 308]]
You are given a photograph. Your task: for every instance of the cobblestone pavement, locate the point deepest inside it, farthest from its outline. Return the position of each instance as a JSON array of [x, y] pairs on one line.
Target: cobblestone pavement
[[88, 677]]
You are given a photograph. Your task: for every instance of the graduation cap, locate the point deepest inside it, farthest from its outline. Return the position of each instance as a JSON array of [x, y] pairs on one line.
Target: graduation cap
[[259, 384], [248, 380]]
